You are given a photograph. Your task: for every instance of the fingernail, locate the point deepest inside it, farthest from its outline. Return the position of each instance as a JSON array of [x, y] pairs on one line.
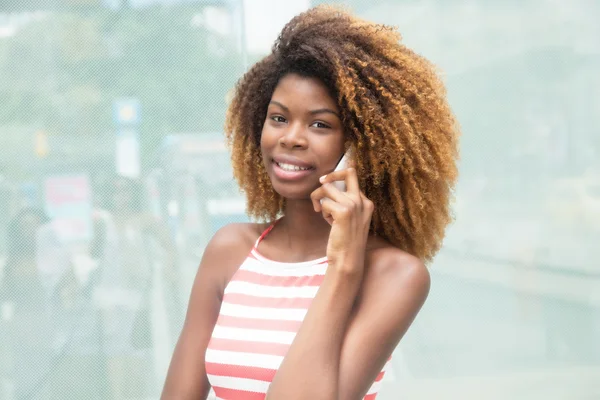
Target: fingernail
[[321, 179]]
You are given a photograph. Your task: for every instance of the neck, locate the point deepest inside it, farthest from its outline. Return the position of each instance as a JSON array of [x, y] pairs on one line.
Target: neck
[[306, 231]]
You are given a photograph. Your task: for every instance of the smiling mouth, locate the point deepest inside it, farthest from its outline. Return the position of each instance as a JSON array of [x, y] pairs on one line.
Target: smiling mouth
[[291, 167]]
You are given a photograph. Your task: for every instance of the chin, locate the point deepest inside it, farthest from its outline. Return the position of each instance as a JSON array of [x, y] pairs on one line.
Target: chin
[[293, 190]]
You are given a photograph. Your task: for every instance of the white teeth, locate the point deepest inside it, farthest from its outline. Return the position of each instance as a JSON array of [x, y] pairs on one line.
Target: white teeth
[[290, 167]]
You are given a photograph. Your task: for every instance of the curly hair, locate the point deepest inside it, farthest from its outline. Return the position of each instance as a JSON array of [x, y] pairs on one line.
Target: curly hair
[[395, 114]]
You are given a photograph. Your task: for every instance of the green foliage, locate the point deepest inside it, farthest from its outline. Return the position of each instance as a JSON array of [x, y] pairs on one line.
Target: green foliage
[[61, 72]]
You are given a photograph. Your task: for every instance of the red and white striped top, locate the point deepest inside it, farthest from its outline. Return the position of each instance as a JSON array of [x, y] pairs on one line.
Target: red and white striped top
[[263, 307]]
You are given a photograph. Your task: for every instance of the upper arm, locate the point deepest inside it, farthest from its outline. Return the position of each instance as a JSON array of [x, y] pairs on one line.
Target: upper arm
[[393, 292], [186, 378]]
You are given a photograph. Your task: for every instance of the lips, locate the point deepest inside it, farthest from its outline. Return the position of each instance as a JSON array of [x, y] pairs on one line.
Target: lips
[[289, 160], [290, 168]]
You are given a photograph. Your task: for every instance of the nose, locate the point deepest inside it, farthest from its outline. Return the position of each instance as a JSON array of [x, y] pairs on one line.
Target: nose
[[294, 137]]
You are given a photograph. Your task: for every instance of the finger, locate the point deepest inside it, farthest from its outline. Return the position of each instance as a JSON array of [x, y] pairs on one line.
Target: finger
[[316, 197], [367, 204], [347, 175], [363, 197], [332, 210], [328, 190]]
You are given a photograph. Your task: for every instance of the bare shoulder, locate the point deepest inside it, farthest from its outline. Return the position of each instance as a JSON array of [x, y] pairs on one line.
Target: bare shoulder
[[232, 237], [229, 247], [393, 270], [223, 255]]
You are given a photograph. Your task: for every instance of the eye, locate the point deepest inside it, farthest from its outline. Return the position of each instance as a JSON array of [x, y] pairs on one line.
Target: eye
[[278, 118], [320, 125]]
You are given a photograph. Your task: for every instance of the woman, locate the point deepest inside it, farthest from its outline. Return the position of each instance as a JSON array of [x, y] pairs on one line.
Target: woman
[[312, 305]]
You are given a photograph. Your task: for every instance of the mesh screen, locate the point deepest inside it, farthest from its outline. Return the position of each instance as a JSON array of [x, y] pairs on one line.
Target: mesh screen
[[114, 175]]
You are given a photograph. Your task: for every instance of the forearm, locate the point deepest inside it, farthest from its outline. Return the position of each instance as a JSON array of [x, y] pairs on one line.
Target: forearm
[[310, 370]]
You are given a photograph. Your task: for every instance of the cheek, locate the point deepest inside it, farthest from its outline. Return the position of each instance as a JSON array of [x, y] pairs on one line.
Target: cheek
[[264, 146], [264, 137], [268, 135], [332, 151], [269, 139], [262, 142]]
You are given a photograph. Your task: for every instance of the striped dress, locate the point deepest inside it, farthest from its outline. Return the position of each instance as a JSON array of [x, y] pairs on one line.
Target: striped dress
[[263, 307]]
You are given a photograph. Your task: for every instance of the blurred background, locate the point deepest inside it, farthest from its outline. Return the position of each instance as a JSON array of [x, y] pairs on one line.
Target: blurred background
[[114, 174]]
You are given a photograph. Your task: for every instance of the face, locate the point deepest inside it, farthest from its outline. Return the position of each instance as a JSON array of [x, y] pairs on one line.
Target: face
[[302, 137]]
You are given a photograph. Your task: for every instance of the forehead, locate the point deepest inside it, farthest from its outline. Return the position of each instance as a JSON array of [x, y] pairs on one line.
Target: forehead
[[301, 91]]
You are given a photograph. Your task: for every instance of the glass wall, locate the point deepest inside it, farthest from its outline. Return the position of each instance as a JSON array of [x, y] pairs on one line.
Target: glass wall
[[114, 174]]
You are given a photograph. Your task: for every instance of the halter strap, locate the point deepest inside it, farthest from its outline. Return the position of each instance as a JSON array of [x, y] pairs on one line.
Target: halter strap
[[265, 233]]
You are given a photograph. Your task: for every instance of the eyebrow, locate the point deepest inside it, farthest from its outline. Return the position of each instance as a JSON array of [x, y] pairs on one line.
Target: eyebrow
[[312, 112]]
